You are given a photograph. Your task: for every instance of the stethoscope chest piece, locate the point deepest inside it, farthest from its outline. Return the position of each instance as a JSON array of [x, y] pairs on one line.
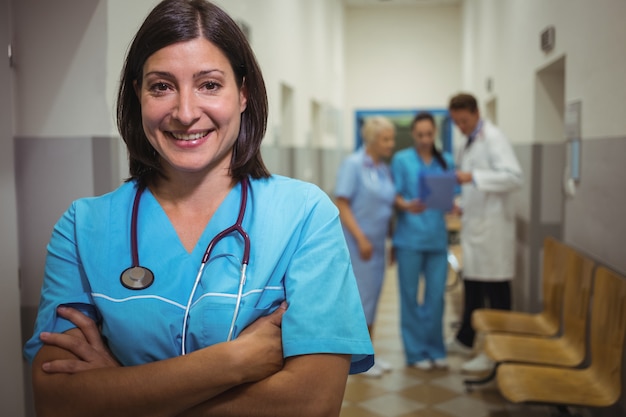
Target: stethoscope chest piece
[[137, 278]]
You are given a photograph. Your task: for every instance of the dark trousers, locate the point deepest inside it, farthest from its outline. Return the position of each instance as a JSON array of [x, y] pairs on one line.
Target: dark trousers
[[498, 296]]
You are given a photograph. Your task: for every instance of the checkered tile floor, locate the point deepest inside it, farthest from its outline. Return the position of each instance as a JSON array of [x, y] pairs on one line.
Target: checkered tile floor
[[408, 392]]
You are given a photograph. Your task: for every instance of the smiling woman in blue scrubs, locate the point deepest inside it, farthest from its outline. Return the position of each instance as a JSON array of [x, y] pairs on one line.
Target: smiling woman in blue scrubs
[[192, 109], [365, 194]]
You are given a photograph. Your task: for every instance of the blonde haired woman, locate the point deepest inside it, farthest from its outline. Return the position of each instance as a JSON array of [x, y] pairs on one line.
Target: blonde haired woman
[[365, 194]]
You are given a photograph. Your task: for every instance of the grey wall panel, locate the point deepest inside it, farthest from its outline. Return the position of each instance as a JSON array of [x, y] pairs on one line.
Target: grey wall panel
[[50, 173], [594, 217], [524, 154], [11, 378], [306, 164], [594, 220], [271, 158], [551, 191], [591, 221], [105, 164], [329, 161], [539, 214], [520, 286]]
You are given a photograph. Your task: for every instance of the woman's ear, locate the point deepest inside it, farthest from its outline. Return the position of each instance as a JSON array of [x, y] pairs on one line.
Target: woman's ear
[[137, 89], [243, 96]]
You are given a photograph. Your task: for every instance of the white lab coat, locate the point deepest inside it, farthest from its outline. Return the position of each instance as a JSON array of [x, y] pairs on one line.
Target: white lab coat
[[488, 220]]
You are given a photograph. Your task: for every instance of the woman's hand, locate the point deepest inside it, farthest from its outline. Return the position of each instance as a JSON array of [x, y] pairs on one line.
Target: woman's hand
[[366, 249], [260, 346], [414, 206], [86, 344], [392, 256], [456, 210]]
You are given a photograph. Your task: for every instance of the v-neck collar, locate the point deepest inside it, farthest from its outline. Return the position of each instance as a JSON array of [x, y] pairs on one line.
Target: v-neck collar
[[160, 226]]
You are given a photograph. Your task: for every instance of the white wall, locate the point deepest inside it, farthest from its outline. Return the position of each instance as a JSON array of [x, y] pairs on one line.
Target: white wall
[[401, 57], [502, 42], [298, 43]]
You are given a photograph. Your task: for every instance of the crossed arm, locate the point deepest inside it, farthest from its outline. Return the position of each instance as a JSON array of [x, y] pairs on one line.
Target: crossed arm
[[74, 374]]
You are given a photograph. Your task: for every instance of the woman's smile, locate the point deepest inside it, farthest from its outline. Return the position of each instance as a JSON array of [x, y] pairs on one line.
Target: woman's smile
[[188, 137]]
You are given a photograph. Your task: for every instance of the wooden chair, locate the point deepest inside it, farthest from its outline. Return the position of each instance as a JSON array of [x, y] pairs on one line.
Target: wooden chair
[[568, 349], [545, 323], [599, 384]]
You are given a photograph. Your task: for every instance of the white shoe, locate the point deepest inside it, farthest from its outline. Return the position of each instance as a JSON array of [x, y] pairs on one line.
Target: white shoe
[[374, 372], [383, 365], [481, 363], [454, 346], [441, 363], [424, 365]]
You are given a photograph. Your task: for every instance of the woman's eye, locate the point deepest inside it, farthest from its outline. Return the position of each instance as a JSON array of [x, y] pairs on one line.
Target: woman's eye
[[158, 87], [211, 85]]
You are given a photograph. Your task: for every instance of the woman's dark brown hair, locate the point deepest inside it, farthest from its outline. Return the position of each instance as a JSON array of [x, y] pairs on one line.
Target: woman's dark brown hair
[[173, 21], [436, 153]]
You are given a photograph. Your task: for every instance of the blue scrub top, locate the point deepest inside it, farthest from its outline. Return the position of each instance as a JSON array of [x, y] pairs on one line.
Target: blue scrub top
[[369, 189], [425, 231], [297, 253]]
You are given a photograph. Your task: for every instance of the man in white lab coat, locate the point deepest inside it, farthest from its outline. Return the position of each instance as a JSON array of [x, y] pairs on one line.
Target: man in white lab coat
[[488, 171]]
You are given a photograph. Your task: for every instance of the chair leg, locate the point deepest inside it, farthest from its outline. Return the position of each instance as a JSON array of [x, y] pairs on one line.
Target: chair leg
[[469, 383], [563, 411]]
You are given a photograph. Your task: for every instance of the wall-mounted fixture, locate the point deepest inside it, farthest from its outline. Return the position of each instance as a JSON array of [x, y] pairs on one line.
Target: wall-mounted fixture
[[573, 136], [547, 39]]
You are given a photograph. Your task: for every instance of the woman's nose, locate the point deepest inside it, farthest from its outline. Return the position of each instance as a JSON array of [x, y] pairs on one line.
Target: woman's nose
[[186, 110]]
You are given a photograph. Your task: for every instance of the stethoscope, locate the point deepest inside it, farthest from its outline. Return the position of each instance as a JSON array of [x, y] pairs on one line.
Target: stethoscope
[[138, 277]]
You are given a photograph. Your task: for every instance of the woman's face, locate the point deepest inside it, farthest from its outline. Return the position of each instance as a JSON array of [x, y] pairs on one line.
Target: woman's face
[[382, 146], [423, 133], [191, 106]]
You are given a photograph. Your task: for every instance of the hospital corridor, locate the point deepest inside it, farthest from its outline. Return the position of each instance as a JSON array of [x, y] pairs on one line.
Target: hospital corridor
[[291, 149]]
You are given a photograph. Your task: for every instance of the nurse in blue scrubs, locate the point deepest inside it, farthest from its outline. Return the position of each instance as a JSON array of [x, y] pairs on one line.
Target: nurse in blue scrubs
[[192, 110], [420, 243], [365, 194]]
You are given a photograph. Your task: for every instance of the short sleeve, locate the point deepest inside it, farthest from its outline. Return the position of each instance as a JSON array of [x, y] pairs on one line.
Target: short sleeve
[[347, 178], [64, 284], [325, 314]]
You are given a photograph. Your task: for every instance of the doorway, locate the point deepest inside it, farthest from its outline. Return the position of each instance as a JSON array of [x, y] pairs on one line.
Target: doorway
[[545, 181]]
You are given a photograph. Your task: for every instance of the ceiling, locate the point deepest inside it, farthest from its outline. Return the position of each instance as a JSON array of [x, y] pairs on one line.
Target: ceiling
[[363, 3]]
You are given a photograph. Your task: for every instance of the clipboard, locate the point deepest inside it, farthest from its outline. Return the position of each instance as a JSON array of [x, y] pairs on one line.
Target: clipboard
[[437, 189]]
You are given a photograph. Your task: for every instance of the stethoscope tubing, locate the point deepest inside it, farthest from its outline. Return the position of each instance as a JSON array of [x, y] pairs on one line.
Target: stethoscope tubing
[[236, 227]]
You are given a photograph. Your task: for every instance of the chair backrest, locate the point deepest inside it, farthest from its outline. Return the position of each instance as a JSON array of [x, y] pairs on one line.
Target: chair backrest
[[553, 278], [608, 327], [577, 294]]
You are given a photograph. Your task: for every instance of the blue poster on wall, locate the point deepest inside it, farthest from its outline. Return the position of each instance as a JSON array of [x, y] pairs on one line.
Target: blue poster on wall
[[402, 120]]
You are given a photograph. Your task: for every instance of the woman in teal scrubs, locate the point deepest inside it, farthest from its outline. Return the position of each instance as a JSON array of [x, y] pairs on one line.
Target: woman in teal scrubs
[[420, 243], [192, 109]]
